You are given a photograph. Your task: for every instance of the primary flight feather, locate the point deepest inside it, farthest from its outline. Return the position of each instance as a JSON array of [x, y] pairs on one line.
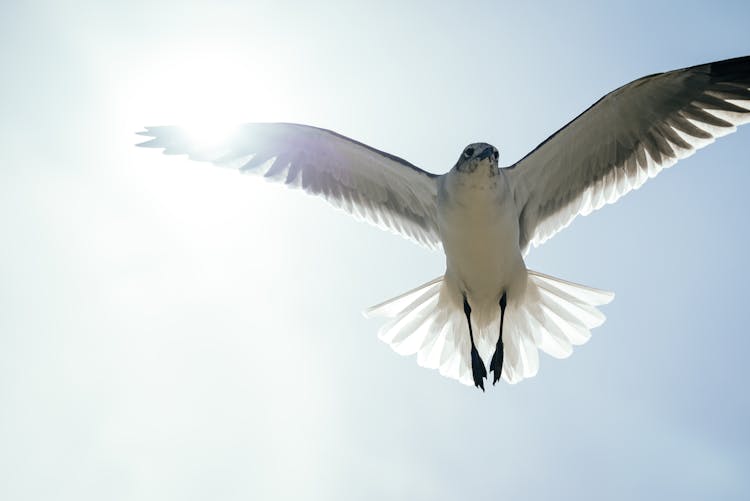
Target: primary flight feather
[[488, 306]]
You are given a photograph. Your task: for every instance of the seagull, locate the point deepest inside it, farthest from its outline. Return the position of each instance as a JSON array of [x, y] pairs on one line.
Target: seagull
[[488, 306]]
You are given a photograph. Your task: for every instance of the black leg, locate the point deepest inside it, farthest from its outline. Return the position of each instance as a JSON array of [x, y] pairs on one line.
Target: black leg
[[477, 365], [496, 366]]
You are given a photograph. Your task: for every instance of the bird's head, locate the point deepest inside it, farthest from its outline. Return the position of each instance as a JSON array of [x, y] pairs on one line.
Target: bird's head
[[478, 158]]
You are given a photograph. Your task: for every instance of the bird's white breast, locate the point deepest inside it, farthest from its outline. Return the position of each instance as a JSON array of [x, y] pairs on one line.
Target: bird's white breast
[[478, 224]]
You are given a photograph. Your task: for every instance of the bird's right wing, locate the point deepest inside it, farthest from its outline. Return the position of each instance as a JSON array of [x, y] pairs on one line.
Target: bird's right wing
[[625, 138], [371, 185]]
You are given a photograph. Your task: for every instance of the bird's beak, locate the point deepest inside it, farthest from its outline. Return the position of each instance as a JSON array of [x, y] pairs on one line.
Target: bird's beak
[[486, 153]]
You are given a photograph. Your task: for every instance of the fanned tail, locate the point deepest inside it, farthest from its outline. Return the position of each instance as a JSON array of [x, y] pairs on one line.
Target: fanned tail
[[553, 315], [426, 323]]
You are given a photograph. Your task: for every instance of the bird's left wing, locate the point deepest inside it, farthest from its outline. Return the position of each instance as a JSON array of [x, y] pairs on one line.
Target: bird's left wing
[[372, 185], [625, 138]]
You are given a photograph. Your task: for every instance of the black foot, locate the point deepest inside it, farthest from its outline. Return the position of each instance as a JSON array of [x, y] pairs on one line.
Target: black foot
[[496, 366], [477, 368]]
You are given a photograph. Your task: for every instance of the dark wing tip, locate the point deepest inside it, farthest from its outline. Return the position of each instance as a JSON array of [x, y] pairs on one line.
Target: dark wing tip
[[737, 68]]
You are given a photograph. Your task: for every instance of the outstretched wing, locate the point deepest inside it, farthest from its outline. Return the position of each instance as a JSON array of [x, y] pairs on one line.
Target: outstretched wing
[[372, 185], [626, 137]]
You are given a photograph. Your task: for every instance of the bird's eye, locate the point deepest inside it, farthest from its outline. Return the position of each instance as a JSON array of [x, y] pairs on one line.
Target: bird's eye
[[496, 154], [468, 152]]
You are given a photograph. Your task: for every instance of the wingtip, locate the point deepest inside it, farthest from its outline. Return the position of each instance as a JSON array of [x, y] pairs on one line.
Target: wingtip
[[147, 132], [368, 312], [151, 143]]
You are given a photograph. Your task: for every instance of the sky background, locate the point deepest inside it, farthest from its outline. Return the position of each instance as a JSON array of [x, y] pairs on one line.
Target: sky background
[[174, 331]]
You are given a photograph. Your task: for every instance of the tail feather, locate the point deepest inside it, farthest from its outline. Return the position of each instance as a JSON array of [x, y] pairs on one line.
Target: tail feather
[[429, 355], [582, 293], [553, 315], [396, 305], [561, 320], [548, 339], [582, 314], [416, 315]]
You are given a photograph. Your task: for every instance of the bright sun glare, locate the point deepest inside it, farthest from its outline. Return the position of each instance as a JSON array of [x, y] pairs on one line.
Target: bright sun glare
[[208, 91]]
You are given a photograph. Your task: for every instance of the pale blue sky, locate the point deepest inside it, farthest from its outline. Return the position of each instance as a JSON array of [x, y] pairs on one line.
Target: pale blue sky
[[173, 331]]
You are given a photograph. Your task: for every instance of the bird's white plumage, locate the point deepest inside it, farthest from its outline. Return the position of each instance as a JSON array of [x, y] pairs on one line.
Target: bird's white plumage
[[486, 218]]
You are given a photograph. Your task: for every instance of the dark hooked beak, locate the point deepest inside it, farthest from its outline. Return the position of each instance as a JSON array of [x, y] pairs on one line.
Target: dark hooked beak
[[486, 153]]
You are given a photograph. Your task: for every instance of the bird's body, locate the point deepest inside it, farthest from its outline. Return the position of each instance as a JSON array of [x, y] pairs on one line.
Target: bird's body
[[478, 225], [488, 308]]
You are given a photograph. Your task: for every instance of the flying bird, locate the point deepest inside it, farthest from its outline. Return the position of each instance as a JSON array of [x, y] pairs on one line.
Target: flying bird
[[488, 307]]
